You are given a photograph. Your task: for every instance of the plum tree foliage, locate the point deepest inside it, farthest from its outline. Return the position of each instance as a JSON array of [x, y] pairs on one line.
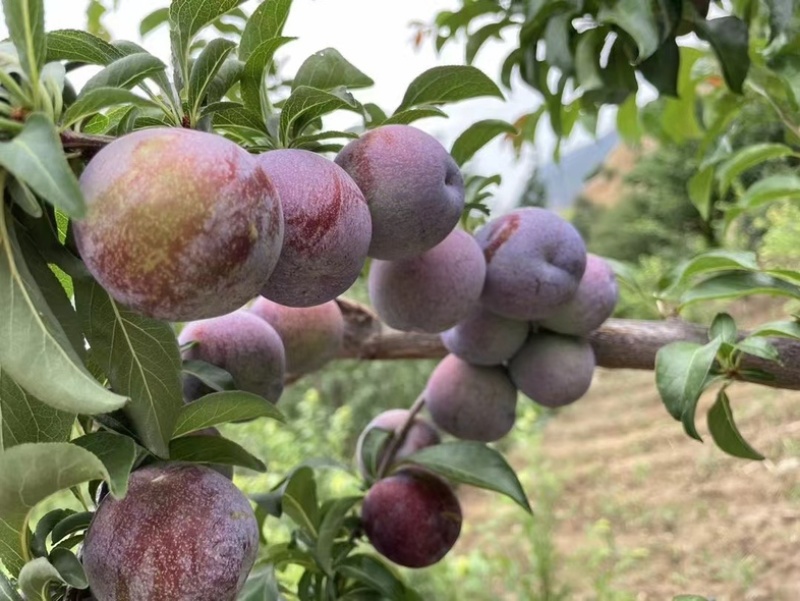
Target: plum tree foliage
[[174, 242]]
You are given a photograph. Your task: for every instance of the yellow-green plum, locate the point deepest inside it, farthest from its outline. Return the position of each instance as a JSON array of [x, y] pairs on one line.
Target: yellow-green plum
[[182, 533], [412, 518], [311, 336], [534, 262], [591, 305], [484, 338], [430, 292], [413, 186], [327, 228], [180, 224], [241, 343], [421, 434], [471, 402], [553, 370]]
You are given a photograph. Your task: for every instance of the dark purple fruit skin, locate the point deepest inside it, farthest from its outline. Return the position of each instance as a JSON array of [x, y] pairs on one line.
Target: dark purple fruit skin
[[421, 434], [484, 338], [242, 344], [327, 228], [553, 370], [182, 533], [311, 336], [413, 187], [471, 402], [181, 224], [412, 518], [591, 305], [535, 260], [433, 291]]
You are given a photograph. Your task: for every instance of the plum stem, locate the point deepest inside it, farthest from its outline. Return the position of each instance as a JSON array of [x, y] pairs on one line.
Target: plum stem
[[397, 439]]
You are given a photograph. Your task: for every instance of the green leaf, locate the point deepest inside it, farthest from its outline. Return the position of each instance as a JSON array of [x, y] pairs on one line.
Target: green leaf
[[69, 524], [587, 59], [100, 98], [30, 336], [36, 577], [141, 359], [663, 67], [371, 450], [213, 450], [125, 72], [700, 187], [155, 19], [240, 117], [209, 374], [410, 115], [69, 568], [7, 591], [333, 518], [44, 527], [261, 585], [205, 68], [723, 327], [441, 85], [305, 104], [784, 329], [299, 499], [724, 431], [118, 454], [257, 63], [24, 198], [265, 23], [25, 23], [708, 262], [187, 17], [229, 74], [759, 347], [637, 19], [36, 158], [476, 136], [224, 407], [471, 463], [770, 189], [748, 158], [81, 47], [328, 69], [30, 473], [23, 418], [479, 37], [682, 370], [372, 572], [729, 37], [736, 285]]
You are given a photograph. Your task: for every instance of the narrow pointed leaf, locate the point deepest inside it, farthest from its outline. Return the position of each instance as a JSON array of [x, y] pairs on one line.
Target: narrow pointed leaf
[[724, 431], [476, 136], [213, 450], [140, 356], [79, 46], [253, 73], [415, 114], [330, 528], [30, 473], [440, 85], [729, 37], [306, 104], [222, 408], [472, 463], [706, 263], [747, 158], [125, 72], [98, 99], [206, 67], [118, 454], [328, 69], [299, 500], [25, 23], [265, 23], [155, 19], [7, 591], [736, 285]]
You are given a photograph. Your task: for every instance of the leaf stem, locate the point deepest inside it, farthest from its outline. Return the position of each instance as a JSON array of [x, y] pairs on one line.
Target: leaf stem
[[396, 441]]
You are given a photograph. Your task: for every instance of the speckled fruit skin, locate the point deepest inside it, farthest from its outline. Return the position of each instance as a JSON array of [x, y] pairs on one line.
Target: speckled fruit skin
[[182, 533], [484, 338], [242, 344], [553, 370], [591, 305], [421, 434], [181, 224], [412, 518], [471, 402], [327, 228], [413, 186], [535, 260], [433, 291], [311, 336]]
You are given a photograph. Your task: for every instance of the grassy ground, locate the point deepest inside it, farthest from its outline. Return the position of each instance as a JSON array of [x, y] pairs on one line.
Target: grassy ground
[[629, 508]]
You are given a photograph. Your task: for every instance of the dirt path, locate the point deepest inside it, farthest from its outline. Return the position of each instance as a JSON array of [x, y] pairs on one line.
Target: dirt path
[[642, 512]]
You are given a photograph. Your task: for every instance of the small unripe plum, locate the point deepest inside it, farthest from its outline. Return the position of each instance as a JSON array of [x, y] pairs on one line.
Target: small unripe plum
[[412, 518], [421, 434], [534, 262], [484, 338], [413, 186], [244, 345], [553, 370], [181, 224], [433, 291], [591, 305], [311, 336], [327, 228], [182, 533], [471, 402]]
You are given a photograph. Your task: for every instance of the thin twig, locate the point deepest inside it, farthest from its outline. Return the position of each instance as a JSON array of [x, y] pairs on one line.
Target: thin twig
[[397, 439]]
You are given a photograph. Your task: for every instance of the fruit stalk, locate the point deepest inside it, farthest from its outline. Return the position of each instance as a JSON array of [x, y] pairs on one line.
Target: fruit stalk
[[396, 441]]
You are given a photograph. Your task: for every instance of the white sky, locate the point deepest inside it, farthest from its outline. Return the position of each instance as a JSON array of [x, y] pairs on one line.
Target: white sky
[[376, 38]]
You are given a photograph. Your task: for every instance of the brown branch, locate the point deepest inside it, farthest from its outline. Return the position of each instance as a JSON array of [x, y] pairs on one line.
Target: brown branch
[[87, 144], [618, 344]]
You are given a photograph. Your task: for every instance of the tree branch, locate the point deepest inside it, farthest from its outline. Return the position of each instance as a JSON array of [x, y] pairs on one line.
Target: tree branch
[[618, 344]]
